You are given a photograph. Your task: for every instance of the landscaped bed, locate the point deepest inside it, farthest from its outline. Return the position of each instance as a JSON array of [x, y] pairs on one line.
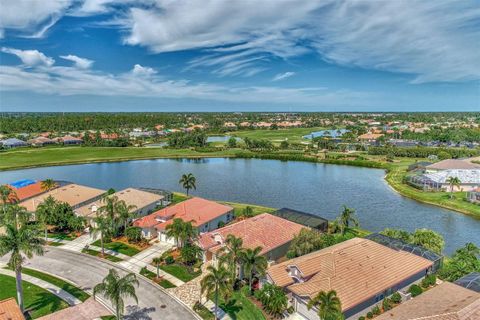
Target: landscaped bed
[[152, 276], [119, 246], [38, 302], [68, 287], [99, 254]]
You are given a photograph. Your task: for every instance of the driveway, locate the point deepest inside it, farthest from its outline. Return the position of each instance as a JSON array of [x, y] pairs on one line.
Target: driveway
[[87, 271]]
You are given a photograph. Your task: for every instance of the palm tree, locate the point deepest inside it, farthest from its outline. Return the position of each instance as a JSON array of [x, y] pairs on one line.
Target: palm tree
[[217, 281], [188, 233], [48, 184], [110, 209], [346, 217], [328, 305], [181, 231], [232, 253], [156, 262], [101, 227], [188, 181], [126, 212], [8, 196], [115, 288], [45, 211], [19, 239], [174, 230], [253, 263], [453, 182]]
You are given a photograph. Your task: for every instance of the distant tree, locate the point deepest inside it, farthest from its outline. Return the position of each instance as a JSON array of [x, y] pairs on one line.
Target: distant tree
[[444, 155], [232, 142], [217, 281], [247, 212], [188, 181], [429, 239], [328, 305], [398, 234], [453, 182], [464, 261], [116, 288], [48, 184], [284, 144], [346, 218], [309, 240]]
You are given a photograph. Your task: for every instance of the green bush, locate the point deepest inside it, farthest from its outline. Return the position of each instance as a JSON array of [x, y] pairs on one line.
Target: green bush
[[415, 290], [169, 259], [396, 298], [133, 234], [361, 318], [386, 304], [376, 310], [369, 315], [429, 281]]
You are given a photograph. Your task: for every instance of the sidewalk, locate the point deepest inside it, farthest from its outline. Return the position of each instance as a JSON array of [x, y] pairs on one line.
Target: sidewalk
[[79, 243], [62, 294]]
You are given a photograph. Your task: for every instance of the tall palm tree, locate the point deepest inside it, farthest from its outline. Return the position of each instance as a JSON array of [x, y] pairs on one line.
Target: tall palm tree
[[102, 228], [217, 281], [48, 184], [116, 288], [174, 230], [231, 254], [110, 209], [45, 211], [20, 239], [156, 262], [8, 196], [453, 182], [188, 181], [253, 263], [188, 233], [126, 212], [328, 305], [181, 231], [346, 217]]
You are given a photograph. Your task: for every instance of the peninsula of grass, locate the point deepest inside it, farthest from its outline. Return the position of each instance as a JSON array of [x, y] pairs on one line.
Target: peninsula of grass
[[99, 254], [180, 271], [68, 287], [38, 302], [119, 247]]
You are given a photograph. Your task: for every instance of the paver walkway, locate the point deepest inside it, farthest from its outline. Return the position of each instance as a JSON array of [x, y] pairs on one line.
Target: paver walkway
[[88, 310], [62, 294]]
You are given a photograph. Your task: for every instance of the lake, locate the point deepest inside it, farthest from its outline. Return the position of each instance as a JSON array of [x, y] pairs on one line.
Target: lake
[[321, 189]]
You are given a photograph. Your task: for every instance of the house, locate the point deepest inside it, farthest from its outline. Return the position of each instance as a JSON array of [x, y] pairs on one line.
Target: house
[[370, 137], [144, 202], [469, 179], [74, 194], [204, 214], [450, 164], [446, 301], [26, 189], [40, 141], [9, 310], [70, 140], [303, 218], [270, 232], [361, 271], [13, 143], [419, 165]]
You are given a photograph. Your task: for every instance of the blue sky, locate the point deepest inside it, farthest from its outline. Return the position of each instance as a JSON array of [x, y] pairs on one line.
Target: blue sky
[[213, 55]]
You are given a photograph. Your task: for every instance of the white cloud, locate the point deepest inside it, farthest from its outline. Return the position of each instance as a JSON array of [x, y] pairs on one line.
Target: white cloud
[[29, 17], [30, 58], [68, 81], [433, 41], [81, 63], [143, 71], [284, 75]]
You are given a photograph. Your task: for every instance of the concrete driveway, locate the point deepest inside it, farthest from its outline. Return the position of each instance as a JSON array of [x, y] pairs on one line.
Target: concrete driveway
[[87, 271]]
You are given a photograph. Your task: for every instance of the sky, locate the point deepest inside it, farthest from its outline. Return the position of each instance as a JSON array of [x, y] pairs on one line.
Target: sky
[[239, 55]]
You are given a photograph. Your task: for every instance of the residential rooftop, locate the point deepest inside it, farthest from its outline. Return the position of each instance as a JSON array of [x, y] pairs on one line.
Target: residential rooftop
[[73, 194], [197, 210], [452, 164], [264, 230], [466, 176], [357, 269], [28, 191], [447, 301]]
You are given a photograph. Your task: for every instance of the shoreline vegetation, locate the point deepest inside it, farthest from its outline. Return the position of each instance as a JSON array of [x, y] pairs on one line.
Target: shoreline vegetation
[[395, 171]]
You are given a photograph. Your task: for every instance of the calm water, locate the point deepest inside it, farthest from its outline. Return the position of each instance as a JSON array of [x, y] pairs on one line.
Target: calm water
[[318, 188]]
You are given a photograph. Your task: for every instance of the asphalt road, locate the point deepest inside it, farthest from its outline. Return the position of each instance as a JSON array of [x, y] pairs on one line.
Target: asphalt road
[[86, 271]]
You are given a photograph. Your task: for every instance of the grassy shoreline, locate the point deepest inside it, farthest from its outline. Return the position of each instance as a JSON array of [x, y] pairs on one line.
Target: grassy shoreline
[[30, 158]]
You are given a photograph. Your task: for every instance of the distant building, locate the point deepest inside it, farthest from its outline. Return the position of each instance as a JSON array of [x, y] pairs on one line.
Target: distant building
[[370, 137], [303, 218], [70, 140], [26, 189], [474, 195], [13, 143], [469, 179], [333, 134], [272, 233], [40, 141], [204, 214], [450, 164]]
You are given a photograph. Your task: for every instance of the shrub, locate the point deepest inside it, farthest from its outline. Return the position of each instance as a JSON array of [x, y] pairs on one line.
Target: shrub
[[396, 298], [415, 290], [221, 224], [429, 281], [133, 234], [369, 315], [376, 310], [443, 155], [169, 259], [386, 304], [361, 318]]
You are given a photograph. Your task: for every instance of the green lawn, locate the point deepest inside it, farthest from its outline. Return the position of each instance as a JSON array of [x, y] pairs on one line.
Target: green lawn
[[29, 157], [180, 272], [293, 134], [203, 312], [239, 207], [152, 275], [239, 307], [61, 236], [70, 288], [39, 302], [98, 254], [178, 197], [54, 244], [119, 247]]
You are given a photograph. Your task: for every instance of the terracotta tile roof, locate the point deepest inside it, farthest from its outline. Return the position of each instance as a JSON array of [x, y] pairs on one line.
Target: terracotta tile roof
[[357, 269], [446, 301], [265, 230], [131, 196], [453, 164], [370, 136], [73, 194], [27, 192], [197, 210], [9, 310]]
